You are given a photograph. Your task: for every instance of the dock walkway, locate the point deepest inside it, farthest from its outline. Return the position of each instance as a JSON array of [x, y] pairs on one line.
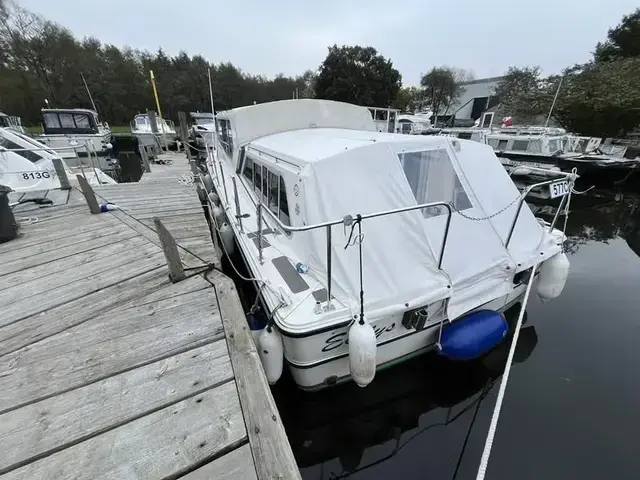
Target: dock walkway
[[109, 370]]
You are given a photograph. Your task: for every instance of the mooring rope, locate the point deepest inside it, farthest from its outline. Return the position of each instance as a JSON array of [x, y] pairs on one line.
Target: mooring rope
[[484, 461]]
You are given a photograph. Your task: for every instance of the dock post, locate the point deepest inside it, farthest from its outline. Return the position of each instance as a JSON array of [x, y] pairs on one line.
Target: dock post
[[145, 158], [61, 174], [89, 195], [170, 249]]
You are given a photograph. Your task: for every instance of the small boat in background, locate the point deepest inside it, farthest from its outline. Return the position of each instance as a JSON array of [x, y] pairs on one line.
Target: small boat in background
[[161, 136], [27, 165], [14, 123], [202, 129]]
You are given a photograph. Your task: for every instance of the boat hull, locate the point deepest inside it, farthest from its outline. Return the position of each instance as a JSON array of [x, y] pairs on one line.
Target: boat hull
[[405, 345], [166, 140]]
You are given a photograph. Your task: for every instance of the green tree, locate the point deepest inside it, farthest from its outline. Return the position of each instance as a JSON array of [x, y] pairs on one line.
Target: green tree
[[443, 86], [623, 41], [357, 75], [409, 99]]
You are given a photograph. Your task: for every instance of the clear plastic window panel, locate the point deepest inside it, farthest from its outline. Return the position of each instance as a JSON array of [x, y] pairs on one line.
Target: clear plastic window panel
[[51, 120], [535, 146], [82, 121], [432, 178], [66, 120], [273, 190], [248, 169], [284, 206], [520, 145]]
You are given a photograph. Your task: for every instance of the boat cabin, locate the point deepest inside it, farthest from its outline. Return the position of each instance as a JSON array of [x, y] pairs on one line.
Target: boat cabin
[[74, 121], [142, 123], [15, 123], [386, 119]]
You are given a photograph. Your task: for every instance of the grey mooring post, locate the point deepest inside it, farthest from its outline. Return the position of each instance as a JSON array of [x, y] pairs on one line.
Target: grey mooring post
[[89, 194], [184, 134], [170, 249], [153, 121], [61, 173], [145, 158]]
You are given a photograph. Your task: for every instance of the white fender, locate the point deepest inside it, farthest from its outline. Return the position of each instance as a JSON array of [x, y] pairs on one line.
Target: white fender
[[226, 235], [271, 353], [362, 353], [524, 171], [553, 277], [218, 215], [208, 182], [215, 199]]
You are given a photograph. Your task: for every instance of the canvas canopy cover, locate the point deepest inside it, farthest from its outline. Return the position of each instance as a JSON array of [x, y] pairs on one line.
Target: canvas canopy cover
[[360, 172]]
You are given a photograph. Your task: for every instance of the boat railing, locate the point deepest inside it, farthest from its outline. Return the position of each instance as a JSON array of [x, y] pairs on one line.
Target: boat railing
[[563, 175], [346, 221]]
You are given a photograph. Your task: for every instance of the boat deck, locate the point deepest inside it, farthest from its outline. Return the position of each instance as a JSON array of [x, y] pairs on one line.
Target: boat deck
[[109, 370]]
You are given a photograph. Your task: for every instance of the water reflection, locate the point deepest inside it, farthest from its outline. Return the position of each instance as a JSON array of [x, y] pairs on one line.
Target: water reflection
[[345, 431], [599, 216]]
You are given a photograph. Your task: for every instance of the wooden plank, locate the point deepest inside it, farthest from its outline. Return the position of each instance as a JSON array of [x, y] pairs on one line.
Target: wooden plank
[[32, 235], [106, 345], [166, 443], [150, 234], [236, 465], [44, 427], [26, 306], [271, 450], [28, 260], [171, 254], [34, 286], [89, 196], [139, 290], [61, 267]]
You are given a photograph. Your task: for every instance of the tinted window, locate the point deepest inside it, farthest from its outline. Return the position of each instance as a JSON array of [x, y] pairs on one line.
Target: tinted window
[[464, 135], [66, 120], [10, 145], [248, 169], [257, 181], [284, 206], [502, 145], [51, 120], [520, 145], [273, 190], [82, 120], [265, 188], [432, 178]]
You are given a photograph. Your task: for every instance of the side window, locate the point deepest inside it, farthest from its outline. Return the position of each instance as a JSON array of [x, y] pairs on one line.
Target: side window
[[29, 155], [82, 121], [520, 145], [248, 169], [51, 120], [432, 178], [66, 120], [273, 190], [257, 181], [283, 213], [265, 189]]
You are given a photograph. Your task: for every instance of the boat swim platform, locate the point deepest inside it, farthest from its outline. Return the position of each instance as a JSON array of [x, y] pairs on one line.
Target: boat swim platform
[[108, 370]]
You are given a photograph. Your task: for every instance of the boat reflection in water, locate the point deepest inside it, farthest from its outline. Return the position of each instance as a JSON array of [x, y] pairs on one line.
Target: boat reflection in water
[[345, 430], [597, 216]]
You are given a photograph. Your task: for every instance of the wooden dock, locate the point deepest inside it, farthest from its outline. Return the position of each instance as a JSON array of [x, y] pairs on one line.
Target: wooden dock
[[108, 370]]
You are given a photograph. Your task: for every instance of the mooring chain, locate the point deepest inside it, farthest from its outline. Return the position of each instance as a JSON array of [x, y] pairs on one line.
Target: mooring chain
[[488, 217]]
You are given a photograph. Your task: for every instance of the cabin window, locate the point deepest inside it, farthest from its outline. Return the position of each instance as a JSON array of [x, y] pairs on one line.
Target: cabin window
[[248, 169], [502, 145], [553, 146], [284, 206], [265, 188], [432, 178], [82, 121], [224, 130], [464, 135], [66, 120], [487, 120], [141, 121], [257, 181], [51, 120], [520, 145], [10, 145], [405, 126], [273, 191]]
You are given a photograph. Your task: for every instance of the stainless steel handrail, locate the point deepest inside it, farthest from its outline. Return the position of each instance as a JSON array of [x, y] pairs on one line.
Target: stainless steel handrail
[[526, 192], [327, 225]]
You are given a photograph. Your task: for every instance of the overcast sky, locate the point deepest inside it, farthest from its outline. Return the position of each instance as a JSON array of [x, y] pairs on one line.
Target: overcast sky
[[286, 36]]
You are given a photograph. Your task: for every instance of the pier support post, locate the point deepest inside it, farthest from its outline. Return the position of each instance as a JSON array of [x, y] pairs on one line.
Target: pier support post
[[89, 194], [170, 249], [61, 173]]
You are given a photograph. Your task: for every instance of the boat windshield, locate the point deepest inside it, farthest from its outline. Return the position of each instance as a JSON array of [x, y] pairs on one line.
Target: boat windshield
[[141, 121], [208, 120]]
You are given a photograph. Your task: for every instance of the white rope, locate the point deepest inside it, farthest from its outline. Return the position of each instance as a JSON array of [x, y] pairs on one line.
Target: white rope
[[484, 461]]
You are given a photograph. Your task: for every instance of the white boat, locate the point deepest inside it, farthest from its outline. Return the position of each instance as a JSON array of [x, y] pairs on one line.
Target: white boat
[[27, 165], [294, 178], [385, 119], [142, 129], [14, 123], [76, 133], [416, 124], [202, 129]]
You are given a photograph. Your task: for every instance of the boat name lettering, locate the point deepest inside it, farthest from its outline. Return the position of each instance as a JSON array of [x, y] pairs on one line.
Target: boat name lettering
[[342, 338]]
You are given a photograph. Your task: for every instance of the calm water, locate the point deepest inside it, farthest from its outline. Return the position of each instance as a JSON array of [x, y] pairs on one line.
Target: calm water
[[571, 405]]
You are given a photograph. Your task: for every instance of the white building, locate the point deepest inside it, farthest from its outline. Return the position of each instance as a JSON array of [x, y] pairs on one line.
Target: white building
[[478, 96]]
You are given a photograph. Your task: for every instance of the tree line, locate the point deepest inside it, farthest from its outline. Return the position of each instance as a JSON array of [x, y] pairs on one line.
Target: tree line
[[40, 60]]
